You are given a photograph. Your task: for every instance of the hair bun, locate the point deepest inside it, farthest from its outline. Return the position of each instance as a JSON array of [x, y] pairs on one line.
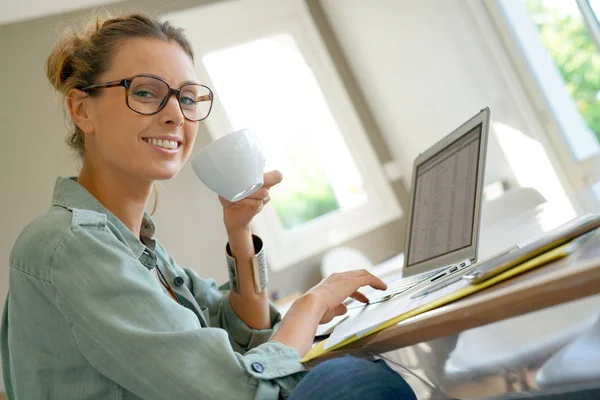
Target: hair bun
[[60, 62]]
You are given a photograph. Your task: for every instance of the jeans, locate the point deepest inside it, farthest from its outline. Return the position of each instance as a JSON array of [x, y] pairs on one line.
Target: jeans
[[352, 378]]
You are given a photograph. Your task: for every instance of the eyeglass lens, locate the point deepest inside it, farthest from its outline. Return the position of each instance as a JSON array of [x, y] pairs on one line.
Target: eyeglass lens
[[146, 94]]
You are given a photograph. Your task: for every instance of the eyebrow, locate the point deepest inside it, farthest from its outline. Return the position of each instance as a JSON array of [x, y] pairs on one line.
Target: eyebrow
[[189, 83], [183, 84]]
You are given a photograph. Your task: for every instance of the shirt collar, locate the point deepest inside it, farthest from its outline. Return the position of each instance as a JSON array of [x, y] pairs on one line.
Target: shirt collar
[[69, 193]]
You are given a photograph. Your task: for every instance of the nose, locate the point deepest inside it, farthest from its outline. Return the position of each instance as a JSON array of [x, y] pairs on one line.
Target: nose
[[171, 114]]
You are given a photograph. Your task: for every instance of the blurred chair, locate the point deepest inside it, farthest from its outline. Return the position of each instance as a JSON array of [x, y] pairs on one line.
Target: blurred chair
[[578, 362], [513, 347], [341, 259], [516, 212], [512, 202]]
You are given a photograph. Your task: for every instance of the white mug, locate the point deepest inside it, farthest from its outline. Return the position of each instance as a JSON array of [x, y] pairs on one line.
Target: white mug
[[232, 166]]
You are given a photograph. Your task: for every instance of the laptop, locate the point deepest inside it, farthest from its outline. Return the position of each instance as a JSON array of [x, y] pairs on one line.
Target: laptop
[[445, 208]]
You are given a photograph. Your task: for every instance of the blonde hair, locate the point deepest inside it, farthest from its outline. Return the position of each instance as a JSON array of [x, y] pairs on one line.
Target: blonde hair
[[79, 58]]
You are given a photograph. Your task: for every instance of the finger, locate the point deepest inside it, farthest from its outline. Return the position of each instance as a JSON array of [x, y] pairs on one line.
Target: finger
[[360, 297], [223, 200], [365, 278], [272, 178], [340, 310], [261, 194], [376, 283], [258, 205], [255, 205], [359, 272]]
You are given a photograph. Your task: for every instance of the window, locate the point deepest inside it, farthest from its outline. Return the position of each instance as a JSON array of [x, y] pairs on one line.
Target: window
[[558, 40], [271, 73], [267, 85]]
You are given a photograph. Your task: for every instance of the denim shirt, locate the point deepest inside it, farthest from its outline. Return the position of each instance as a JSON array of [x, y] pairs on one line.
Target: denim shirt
[[85, 318]]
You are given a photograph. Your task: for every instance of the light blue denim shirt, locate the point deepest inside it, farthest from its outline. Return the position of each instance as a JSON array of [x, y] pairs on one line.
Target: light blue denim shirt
[[85, 318]]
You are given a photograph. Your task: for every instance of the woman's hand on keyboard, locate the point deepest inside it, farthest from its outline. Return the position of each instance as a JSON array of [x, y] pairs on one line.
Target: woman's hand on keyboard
[[319, 305], [333, 290]]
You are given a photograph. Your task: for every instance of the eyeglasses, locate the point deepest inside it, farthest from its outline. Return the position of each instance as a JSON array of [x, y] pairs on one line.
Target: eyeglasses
[[148, 94]]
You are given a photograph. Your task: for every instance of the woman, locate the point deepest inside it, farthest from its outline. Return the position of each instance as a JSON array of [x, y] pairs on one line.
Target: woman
[[97, 309]]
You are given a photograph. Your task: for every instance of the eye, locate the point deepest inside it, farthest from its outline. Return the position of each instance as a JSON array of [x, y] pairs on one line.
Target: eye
[[188, 101], [144, 93]]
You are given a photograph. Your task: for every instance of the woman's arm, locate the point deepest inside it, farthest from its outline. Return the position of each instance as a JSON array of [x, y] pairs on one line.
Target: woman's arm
[[251, 307], [299, 326], [320, 305]]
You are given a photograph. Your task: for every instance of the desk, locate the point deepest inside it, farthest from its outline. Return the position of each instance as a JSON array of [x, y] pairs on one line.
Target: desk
[[542, 288], [562, 291]]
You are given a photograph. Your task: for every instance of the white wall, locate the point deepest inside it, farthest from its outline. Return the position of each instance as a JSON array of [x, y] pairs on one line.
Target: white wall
[[425, 67], [421, 69], [15, 11]]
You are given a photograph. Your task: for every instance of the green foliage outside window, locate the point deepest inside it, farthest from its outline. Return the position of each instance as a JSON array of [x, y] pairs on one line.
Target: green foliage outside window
[[305, 193], [573, 50]]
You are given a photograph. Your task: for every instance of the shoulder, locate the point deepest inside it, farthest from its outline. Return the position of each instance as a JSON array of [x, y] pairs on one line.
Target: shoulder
[[36, 245]]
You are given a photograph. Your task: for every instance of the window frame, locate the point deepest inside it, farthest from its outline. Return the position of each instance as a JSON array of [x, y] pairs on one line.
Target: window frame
[[576, 176], [580, 174], [267, 17]]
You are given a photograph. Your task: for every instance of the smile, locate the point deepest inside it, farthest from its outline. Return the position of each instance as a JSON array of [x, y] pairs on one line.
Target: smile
[[164, 144]]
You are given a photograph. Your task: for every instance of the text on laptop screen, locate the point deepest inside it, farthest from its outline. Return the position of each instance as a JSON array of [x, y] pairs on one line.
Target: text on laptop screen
[[444, 203]]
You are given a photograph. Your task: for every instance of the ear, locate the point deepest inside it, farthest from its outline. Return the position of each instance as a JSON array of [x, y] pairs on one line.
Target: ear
[[78, 103]]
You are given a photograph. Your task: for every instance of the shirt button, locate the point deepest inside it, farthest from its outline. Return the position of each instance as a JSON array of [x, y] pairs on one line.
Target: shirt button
[[178, 281], [257, 367]]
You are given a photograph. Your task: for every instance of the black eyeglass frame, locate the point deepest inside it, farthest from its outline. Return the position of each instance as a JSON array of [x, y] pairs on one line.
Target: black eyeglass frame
[[126, 83]]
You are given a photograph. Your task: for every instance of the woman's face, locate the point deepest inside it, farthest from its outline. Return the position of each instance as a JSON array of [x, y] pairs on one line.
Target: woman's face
[[121, 139]]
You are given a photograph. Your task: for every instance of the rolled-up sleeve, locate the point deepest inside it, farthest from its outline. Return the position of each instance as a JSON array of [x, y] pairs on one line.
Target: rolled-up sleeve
[[216, 300], [246, 337], [141, 339]]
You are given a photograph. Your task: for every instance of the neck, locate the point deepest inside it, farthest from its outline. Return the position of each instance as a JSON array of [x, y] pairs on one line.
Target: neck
[[121, 194]]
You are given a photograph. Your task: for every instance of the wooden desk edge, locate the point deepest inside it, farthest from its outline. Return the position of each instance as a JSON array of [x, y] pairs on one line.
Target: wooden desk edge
[[570, 283]]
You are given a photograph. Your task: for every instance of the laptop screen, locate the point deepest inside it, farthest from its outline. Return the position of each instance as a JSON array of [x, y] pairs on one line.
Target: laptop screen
[[444, 204]]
